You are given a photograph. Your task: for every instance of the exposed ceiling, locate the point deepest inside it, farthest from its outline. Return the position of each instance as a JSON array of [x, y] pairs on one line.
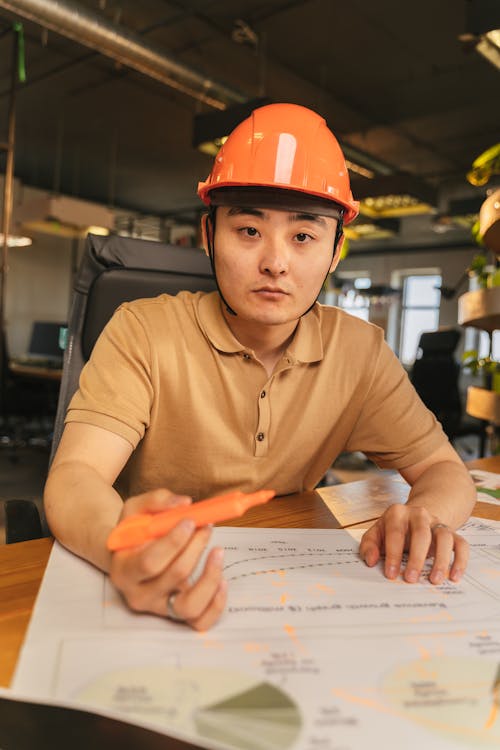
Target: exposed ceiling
[[391, 78]]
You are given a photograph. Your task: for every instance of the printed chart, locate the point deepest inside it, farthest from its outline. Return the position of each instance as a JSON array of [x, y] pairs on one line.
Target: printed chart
[[315, 650], [214, 703], [285, 582]]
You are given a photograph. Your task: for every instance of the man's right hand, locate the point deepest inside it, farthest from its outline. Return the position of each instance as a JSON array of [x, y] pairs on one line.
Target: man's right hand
[[148, 575]]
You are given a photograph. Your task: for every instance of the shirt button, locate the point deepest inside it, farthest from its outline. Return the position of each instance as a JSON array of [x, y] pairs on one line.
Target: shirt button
[[260, 437], [262, 394], [246, 356]]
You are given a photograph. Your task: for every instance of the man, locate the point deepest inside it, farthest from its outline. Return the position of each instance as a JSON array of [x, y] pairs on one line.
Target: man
[[255, 387]]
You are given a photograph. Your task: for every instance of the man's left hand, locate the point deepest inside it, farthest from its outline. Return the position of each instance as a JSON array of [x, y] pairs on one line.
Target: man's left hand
[[412, 529]]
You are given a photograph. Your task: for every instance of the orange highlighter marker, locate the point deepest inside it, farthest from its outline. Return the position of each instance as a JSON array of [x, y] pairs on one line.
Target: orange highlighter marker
[[144, 527]]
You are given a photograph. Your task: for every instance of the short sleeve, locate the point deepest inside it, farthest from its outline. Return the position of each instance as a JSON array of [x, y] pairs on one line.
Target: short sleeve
[[115, 389], [394, 427]]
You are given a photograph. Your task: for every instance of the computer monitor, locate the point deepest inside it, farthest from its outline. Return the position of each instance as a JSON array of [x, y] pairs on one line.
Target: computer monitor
[[44, 342]]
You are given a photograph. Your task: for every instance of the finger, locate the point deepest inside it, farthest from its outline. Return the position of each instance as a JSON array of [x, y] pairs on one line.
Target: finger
[[213, 611], [396, 529], [443, 543], [153, 501], [461, 558], [196, 604], [419, 544], [372, 544], [178, 574], [151, 595], [148, 561]]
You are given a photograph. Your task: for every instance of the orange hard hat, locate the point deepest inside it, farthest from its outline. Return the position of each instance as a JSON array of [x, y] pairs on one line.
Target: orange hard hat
[[283, 146]]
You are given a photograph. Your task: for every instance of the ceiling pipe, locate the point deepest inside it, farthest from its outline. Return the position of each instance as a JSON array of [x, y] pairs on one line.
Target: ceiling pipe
[[90, 29]]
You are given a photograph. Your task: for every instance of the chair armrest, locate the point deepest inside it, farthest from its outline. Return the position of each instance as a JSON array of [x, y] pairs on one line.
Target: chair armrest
[[23, 521]]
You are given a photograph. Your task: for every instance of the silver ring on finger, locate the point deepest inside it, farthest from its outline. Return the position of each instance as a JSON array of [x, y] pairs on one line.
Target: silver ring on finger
[[440, 526], [171, 613]]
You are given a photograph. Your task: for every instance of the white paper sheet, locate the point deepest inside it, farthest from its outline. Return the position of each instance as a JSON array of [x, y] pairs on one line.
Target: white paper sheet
[[354, 502], [487, 486], [315, 651]]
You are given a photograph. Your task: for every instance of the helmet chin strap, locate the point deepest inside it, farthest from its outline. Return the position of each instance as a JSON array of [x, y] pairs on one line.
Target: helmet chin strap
[[338, 234], [211, 254]]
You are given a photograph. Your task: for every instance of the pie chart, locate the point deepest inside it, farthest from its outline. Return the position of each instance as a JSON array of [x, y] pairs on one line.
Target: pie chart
[[227, 707], [261, 718], [458, 697]]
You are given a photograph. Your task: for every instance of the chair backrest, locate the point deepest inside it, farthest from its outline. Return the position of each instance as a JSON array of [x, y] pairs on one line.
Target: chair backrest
[[439, 343], [435, 376], [115, 270]]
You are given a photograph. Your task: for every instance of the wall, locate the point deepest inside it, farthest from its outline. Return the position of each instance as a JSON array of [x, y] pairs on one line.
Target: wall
[[38, 287], [40, 277], [451, 263]]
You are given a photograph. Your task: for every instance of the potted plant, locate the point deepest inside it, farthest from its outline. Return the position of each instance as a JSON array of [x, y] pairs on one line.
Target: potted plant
[[483, 402]]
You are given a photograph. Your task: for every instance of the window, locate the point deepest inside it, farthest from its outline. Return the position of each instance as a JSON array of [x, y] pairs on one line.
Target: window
[[419, 313], [480, 342], [353, 302], [348, 297]]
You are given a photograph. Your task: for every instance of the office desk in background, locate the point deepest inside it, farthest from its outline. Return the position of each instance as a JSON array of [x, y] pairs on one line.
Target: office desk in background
[[34, 371], [22, 565]]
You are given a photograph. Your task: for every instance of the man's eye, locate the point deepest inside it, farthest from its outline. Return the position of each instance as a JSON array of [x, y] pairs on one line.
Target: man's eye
[[249, 231], [302, 237]]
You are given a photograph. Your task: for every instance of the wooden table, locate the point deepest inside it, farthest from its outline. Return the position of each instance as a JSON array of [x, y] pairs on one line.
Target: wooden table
[[21, 570], [35, 372], [22, 565]]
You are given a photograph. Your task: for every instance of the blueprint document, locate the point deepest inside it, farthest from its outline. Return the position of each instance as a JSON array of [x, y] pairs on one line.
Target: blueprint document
[[315, 651]]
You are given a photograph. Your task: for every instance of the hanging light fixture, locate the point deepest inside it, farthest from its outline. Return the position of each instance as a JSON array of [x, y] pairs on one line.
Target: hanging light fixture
[[64, 216], [15, 240], [481, 30], [395, 195]]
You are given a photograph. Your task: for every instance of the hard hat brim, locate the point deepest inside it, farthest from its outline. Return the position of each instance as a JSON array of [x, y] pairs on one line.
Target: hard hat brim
[[275, 198]]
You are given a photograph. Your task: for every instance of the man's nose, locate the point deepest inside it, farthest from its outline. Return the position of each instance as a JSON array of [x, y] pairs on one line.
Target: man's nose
[[275, 259]]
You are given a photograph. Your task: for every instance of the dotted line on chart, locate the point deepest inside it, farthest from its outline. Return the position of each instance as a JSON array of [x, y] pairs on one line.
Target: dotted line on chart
[[291, 567], [289, 554]]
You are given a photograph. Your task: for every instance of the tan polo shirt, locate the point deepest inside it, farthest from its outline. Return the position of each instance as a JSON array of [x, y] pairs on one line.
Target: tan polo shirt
[[168, 375]]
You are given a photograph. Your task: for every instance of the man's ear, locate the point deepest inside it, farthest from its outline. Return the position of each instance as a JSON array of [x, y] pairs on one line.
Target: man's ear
[[204, 232], [338, 253]]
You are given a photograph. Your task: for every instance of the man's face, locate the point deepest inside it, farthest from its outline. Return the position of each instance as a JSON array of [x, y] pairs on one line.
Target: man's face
[[271, 264]]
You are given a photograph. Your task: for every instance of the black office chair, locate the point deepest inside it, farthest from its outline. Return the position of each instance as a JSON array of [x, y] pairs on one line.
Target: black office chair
[[113, 270], [435, 375], [20, 404]]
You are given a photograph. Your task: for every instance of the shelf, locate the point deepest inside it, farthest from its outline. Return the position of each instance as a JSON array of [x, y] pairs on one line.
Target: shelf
[[480, 309], [483, 404]]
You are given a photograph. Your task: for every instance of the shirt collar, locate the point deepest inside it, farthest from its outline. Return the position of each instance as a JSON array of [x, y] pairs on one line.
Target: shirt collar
[[214, 325], [306, 345]]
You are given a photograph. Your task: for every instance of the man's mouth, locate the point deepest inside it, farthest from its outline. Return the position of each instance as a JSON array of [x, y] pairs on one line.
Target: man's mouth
[[270, 290]]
